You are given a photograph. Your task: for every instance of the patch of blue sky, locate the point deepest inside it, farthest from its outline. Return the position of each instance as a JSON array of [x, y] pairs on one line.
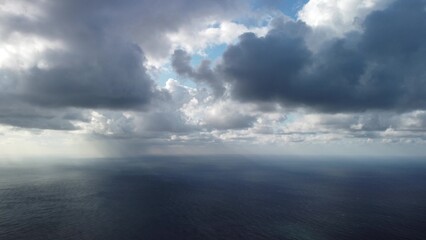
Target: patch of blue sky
[[255, 21], [215, 52], [161, 76], [291, 117], [212, 53], [166, 72], [196, 59], [288, 7]]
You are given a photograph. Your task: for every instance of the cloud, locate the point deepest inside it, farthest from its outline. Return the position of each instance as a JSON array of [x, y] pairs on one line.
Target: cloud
[[225, 115], [380, 67], [109, 76], [56, 55], [199, 38], [164, 119], [386, 127], [346, 71], [339, 16], [145, 22], [26, 116], [181, 62]]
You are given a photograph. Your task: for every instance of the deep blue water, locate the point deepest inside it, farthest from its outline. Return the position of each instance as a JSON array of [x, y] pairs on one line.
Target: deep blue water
[[214, 198]]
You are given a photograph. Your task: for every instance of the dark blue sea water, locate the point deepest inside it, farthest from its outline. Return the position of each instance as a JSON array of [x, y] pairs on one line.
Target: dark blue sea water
[[214, 198]]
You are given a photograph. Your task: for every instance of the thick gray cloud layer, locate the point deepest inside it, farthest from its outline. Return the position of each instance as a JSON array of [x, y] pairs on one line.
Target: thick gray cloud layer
[[110, 77], [381, 67]]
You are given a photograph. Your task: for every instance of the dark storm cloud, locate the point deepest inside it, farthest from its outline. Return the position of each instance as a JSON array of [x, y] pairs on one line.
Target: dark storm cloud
[[101, 63], [181, 62], [113, 77], [380, 68], [96, 69]]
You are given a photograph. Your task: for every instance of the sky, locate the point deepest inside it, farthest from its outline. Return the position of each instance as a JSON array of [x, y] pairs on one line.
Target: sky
[[105, 78]]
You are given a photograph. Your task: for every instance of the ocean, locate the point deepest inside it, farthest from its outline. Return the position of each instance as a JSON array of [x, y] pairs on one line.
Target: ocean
[[214, 197]]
